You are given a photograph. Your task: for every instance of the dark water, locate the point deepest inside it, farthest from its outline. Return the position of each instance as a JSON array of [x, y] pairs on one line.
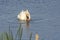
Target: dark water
[[45, 16]]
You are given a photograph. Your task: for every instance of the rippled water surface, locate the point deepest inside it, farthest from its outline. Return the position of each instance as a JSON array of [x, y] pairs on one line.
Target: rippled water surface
[[45, 16]]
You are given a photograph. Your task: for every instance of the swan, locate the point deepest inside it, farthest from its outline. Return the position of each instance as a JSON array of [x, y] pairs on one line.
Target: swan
[[24, 15]]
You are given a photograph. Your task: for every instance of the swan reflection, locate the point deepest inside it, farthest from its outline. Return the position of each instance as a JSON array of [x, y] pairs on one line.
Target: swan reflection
[[25, 25]]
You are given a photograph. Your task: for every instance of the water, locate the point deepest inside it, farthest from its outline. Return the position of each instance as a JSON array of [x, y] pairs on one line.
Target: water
[[45, 16]]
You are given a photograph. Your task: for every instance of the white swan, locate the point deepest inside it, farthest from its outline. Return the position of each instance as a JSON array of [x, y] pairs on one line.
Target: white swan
[[24, 15]]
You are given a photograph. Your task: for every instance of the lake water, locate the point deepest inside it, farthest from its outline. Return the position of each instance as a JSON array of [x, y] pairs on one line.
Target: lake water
[[45, 16]]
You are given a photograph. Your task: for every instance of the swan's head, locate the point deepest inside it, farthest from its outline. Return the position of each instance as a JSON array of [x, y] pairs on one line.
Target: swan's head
[[28, 18]]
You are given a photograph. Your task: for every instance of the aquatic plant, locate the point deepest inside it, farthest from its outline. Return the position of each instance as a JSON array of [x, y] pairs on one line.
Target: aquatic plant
[[9, 36], [30, 36], [20, 32], [6, 36]]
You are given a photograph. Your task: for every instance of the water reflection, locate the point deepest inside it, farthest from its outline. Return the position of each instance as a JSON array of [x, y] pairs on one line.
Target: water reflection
[[25, 25], [24, 22]]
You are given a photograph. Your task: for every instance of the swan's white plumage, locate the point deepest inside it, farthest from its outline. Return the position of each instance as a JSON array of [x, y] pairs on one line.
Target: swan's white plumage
[[22, 15]]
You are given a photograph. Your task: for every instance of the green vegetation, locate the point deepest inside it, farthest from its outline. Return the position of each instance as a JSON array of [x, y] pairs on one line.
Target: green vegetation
[[30, 36], [9, 35]]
